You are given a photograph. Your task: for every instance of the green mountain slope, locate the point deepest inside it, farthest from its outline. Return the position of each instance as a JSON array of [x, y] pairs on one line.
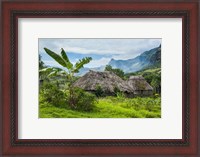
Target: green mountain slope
[[147, 59]]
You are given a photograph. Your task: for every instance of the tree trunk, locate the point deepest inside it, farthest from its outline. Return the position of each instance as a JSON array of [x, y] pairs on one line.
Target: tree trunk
[[71, 98]]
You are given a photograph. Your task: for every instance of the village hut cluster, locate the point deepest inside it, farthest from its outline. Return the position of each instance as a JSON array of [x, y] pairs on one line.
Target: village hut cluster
[[108, 81]]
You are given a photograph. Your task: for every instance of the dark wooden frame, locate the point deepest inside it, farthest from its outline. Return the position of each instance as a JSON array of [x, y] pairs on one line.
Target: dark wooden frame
[[13, 10]]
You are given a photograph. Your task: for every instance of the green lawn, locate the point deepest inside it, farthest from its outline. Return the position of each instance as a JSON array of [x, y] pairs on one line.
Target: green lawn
[[108, 107]]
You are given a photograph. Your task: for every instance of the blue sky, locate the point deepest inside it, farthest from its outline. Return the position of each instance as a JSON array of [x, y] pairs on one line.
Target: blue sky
[[101, 50]]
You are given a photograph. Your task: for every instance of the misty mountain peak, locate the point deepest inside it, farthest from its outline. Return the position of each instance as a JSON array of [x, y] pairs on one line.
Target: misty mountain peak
[[148, 58]]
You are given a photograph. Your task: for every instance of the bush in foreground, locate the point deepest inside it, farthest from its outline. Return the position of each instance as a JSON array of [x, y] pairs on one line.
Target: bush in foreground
[[84, 101], [51, 94]]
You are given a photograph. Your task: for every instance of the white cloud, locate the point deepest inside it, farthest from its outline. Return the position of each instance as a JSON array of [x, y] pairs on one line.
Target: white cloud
[[119, 49], [99, 46], [98, 63], [51, 63], [92, 64]]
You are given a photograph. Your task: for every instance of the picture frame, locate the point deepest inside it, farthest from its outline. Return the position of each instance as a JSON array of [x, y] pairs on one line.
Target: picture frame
[[13, 10]]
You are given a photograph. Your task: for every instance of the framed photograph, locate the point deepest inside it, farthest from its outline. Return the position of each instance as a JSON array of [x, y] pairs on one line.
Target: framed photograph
[[99, 78]]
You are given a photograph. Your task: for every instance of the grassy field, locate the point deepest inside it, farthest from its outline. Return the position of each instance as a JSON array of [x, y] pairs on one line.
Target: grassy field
[[108, 107]]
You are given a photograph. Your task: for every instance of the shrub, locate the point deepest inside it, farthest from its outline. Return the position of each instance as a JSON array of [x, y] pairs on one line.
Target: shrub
[[118, 72], [121, 95], [99, 92], [116, 90], [84, 101], [156, 95], [51, 94], [150, 105]]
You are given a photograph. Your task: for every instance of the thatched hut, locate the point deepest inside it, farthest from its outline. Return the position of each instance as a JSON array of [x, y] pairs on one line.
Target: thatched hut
[[139, 85], [109, 82]]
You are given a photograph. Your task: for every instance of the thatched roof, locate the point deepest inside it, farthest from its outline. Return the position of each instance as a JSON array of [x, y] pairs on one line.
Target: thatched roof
[[138, 83], [109, 81]]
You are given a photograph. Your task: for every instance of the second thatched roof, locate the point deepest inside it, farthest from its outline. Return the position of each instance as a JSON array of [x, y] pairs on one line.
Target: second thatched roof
[[138, 83]]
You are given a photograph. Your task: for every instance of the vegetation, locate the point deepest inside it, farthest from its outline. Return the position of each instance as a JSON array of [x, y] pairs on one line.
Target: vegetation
[[41, 63], [49, 92], [152, 76], [59, 99], [108, 107], [118, 72], [99, 91], [64, 61], [84, 100]]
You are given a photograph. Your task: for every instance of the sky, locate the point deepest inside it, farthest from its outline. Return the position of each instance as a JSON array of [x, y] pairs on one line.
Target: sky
[[101, 50]]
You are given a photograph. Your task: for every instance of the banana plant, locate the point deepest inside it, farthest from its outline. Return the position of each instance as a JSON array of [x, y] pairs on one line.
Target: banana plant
[[64, 61], [52, 71]]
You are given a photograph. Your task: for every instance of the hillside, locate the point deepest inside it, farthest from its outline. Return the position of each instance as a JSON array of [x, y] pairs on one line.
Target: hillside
[[151, 58], [148, 59]]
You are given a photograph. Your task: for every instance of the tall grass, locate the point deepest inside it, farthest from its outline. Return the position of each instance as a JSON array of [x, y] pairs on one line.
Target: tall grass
[[108, 107]]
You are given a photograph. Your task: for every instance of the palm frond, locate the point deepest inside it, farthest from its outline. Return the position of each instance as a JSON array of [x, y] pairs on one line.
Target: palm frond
[[56, 57], [53, 73], [45, 70], [81, 63], [66, 59], [57, 69]]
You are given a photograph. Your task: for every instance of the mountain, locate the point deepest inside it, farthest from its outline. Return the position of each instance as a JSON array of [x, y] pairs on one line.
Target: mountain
[[148, 59], [151, 58], [84, 70]]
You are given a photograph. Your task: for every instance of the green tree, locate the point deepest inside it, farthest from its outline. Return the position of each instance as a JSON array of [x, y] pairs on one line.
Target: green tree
[[41, 63], [156, 83], [108, 68], [99, 91], [64, 61], [118, 72], [46, 73]]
